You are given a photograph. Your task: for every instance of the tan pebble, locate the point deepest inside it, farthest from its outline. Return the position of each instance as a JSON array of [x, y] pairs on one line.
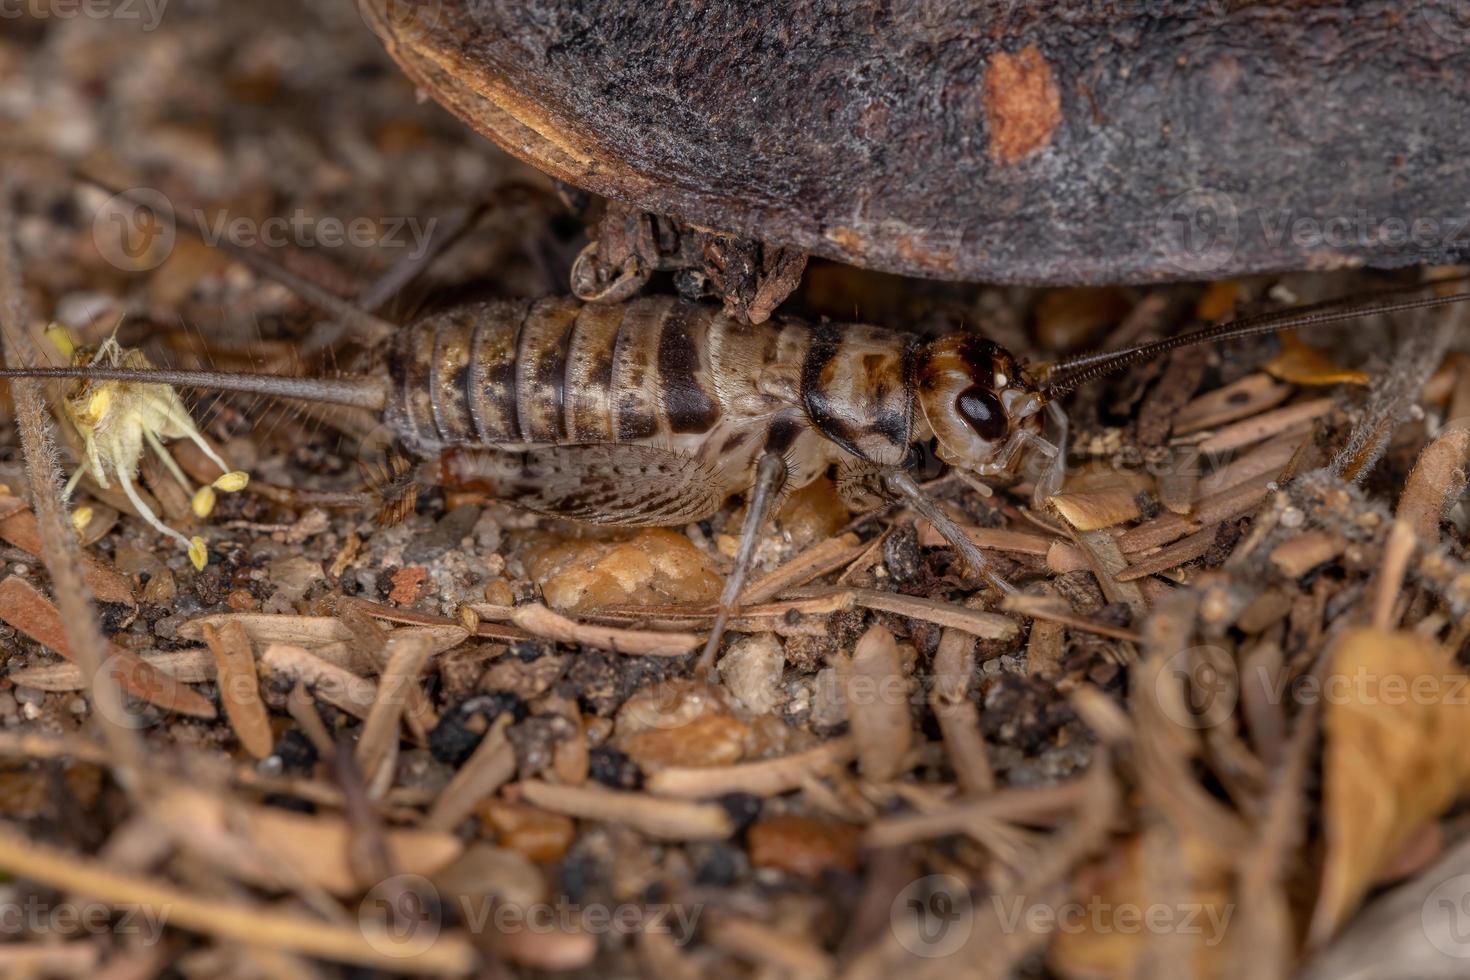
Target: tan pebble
[[536, 834], [714, 739], [812, 513], [498, 593], [653, 566], [242, 601], [804, 846]]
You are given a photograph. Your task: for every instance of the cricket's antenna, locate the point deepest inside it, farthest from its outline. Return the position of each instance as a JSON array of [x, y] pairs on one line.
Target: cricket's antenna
[[357, 392], [374, 329], [1068, 375]]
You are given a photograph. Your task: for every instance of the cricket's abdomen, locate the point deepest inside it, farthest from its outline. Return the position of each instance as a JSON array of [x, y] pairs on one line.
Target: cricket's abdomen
[[557, 372], [519, 379]]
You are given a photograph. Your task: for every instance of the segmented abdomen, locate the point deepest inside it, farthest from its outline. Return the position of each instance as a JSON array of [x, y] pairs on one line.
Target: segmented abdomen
[[655, 371], [556, 371]]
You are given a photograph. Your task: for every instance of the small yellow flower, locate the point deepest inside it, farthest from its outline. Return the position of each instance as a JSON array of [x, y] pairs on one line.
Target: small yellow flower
[[118, 421], [81, 517], [198, 552], [203, 502]]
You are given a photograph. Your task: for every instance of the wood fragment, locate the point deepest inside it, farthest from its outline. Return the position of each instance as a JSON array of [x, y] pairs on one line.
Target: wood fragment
[[1178, 484], [1268, 459], [25, 608], [450, 955], [335, 685], [1097, 509], [1250, 395], [239, 688], [1265, 425], [1181, 552], [1056, 610], [313, 631], [1107, 564], [995, 539], [1436, 481], [193, 665], [760, 944], [820, 559], [1044, 806], [1305, 552], [408, 655], [959, 719], [540, 621], [768, 777], [271, 847], [1397, 552], [659, 818], [876, 697], [987, 626], [492, 765], [21, 530], [1224, 506], [1047, 641]]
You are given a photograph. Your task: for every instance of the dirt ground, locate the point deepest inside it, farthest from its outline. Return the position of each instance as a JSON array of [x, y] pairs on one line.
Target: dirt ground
[[1220, 730]]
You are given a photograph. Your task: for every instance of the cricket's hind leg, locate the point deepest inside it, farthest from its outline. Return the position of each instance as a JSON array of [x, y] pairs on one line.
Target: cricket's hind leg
[[760, 504]]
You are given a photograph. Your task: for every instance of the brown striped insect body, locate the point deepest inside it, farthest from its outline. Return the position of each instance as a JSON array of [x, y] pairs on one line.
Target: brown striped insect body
[[657, 410]]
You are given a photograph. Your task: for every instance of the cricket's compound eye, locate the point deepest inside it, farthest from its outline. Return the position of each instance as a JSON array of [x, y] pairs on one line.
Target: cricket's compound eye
[[981, 410]]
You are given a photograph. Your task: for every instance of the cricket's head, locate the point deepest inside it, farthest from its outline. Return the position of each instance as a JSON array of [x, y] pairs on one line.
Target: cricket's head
[[975, 397]]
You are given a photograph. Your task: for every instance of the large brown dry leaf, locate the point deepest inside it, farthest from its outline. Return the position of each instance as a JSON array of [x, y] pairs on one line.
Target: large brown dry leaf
[[1397, 723]]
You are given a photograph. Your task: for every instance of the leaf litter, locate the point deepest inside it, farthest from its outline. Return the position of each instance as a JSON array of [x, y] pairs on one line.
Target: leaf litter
[[1221, 730]]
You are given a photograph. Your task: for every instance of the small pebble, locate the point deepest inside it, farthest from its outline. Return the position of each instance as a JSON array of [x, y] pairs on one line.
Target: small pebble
[[444, 536], [752, 671]]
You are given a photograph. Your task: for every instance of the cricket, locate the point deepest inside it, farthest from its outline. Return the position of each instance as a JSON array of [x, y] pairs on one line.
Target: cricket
[[655, 411]]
